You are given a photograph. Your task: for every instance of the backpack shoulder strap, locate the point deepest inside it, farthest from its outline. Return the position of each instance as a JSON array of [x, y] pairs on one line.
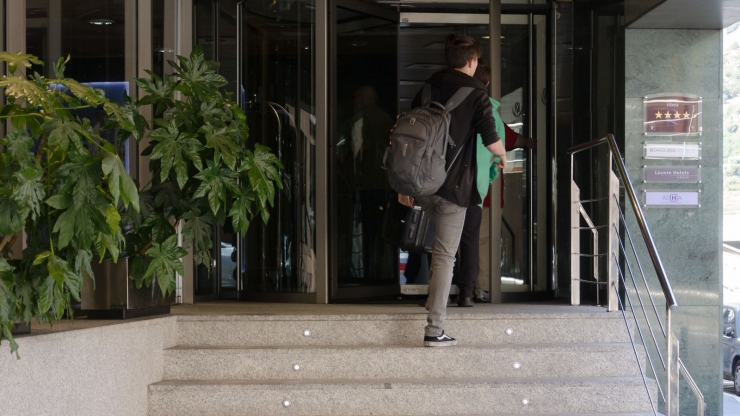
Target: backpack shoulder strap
[[426, 95], [458, 97]]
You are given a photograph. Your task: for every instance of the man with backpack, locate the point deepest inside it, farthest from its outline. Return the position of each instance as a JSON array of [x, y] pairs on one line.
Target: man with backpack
[[415, 167]]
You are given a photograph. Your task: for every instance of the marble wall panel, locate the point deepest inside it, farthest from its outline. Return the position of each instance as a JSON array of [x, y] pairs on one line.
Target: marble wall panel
[[688, 239]]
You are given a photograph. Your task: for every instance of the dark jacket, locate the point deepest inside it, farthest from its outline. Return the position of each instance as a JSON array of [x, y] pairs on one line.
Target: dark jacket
[[473, 116]]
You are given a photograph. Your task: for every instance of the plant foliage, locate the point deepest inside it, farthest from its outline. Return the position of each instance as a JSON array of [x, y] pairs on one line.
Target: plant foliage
[[63, 183], [203, 175]]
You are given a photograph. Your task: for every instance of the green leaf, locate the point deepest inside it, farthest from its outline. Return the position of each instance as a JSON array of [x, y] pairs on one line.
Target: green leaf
[[262, 170], [172, 149], [29, 192], [216, 181], [11, 220], [81, 222], [84, 92], [198, 229], [45, 294], [29, 91], [165, 261], [63, 274], [7, 297], [241, 211], [62, 133], [161, 228], [14, 60], [161, 91], [19, 147], [119, 183], [60, 201], [42, 257], [60, 66], [222, 144], [198, 75]]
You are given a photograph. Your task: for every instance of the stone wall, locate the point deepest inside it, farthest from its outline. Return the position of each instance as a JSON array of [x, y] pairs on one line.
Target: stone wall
[[688, 239], [90, 372]]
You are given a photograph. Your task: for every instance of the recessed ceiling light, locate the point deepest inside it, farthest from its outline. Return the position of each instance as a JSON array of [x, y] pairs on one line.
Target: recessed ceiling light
[[100, 22]]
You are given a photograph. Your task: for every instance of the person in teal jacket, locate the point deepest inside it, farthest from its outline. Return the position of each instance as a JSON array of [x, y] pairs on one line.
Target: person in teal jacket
[[487, 172]]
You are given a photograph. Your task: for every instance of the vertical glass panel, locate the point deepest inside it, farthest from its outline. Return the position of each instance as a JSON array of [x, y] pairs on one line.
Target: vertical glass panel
[[278, 96], [366, 105], [58, 28], [206, 26], [516, 218], [163, 35]]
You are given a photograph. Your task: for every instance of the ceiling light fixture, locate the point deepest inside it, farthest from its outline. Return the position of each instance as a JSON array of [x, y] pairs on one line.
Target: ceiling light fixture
[[100, 22]]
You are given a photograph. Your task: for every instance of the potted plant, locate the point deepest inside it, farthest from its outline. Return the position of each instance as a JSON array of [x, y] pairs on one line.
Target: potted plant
[[203, 174], [61, 182]]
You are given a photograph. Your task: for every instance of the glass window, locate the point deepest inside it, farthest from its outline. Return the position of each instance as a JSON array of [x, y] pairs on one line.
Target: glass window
[[729, 322], [93, 34], [163, 35]]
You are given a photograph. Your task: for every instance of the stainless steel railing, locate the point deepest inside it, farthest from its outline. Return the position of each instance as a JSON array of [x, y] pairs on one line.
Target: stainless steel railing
[[666, 368]]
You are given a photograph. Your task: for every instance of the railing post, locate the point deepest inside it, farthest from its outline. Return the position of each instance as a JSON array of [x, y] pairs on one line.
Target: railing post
[[671, 397], [575, 240], [614, 252]]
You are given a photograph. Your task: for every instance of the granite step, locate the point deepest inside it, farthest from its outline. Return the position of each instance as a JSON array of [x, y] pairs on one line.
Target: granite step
[[374, 363], [399, 397], [398, 329]]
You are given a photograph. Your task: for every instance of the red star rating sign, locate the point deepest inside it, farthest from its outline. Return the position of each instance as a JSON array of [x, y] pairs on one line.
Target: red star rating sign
[[672, 115]]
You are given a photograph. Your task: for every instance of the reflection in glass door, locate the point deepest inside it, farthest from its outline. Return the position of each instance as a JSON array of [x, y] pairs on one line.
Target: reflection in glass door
[[524, 108], [278, 96], [364, 106]]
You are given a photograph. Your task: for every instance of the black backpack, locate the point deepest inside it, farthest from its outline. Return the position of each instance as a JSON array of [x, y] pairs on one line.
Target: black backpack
[[416, 157]]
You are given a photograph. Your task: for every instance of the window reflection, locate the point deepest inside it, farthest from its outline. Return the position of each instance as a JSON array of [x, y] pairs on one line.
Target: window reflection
[[278, 97]]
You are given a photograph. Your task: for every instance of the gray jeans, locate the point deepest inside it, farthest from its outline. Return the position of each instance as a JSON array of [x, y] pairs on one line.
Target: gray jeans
[[448, 221]]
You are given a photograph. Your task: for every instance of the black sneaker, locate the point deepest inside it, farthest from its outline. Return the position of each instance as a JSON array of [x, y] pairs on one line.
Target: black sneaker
[[440, 341]]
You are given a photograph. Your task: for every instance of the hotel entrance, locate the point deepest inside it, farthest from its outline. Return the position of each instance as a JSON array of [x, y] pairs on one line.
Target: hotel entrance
[[325, 100], [383, 58]]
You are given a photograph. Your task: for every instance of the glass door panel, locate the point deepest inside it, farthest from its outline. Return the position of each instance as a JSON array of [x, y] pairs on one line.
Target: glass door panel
[[364, 109], [516, 219], [278, 96]]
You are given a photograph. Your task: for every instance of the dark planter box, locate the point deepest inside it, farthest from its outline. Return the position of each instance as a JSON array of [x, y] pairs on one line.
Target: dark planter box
[[21, 328], [115, 296]]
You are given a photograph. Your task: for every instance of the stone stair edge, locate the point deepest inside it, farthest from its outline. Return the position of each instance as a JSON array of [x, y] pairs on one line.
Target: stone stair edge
[[605, 346], [399, 317], [410, 384]]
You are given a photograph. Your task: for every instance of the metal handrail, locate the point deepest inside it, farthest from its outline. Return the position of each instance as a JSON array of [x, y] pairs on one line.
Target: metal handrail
[[630, 191], [672, 364]]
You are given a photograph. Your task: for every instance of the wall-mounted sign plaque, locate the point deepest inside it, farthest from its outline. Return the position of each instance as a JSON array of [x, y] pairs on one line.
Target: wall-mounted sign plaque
[[671, 174], [673, 151], [669, 199], [672, 115]]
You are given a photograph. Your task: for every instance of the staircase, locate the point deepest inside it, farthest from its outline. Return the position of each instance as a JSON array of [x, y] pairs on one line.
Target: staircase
[[554, 363]]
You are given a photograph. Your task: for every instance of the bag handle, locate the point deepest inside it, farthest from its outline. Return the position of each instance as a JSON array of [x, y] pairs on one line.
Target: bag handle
[[457, 98]]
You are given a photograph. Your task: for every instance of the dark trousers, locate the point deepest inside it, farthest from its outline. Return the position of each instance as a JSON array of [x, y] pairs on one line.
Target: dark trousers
[[467, 272]]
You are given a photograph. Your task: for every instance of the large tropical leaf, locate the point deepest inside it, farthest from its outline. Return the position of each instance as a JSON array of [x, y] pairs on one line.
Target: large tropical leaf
[[29, 192], [216, 182], [18, 147], [172, 149], [165, 261], [197, 74], [241, 211], [11, 220], [24, 90], [15, 60], [62, 133], [197, 229], [119, 183], [222, 142], [262, 170]]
